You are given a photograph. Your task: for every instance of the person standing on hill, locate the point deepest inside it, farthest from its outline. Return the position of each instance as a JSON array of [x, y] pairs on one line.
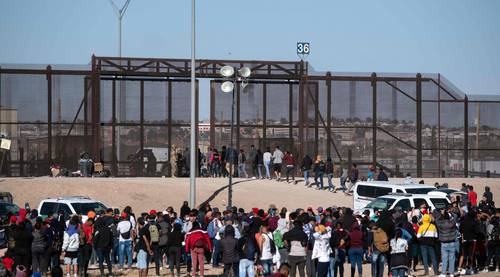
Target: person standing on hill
[[259, 161], [472, 195], [277, 161], [307, 163], [267, 162], [289, 160], [252, 153]]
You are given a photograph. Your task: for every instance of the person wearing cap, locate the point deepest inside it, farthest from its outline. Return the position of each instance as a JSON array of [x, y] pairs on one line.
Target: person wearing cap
[[125, 236]]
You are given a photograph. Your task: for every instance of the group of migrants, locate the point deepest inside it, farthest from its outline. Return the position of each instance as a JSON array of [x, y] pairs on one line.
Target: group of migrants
[[271, 163], [464, 238]]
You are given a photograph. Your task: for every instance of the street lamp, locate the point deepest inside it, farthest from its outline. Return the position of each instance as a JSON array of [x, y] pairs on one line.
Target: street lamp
[[231, 80]]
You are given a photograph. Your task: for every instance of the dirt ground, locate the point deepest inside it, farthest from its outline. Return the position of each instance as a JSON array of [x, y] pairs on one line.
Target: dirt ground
[[144, 194]]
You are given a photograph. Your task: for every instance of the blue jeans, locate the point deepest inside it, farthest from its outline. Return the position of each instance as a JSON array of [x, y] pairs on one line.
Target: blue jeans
[[426, 252], [342, 183], [242, 172], [125, 248], [267, 164], [356, 258], [246, 267], [267, 266], [330, 183], [306, 176], [448, 257], [320, 177], [400, 272], [216, 252], [378, 261]]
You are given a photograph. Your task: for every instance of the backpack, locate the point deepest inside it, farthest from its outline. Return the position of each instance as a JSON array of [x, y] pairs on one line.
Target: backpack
[[272, 245], [154, 233], [39, 242], [273, 223], [495, 233], [164, 230], [278, 239], [127, 234], [3, 238], [211, 229], [380, 240]]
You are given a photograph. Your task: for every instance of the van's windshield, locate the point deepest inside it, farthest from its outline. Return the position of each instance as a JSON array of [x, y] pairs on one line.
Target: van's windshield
[[381, 203], [84, 208], [419, 190]]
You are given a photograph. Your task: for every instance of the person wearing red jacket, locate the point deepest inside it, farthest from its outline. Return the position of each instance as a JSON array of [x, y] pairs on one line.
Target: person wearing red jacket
[[197, 242], [289, 160]]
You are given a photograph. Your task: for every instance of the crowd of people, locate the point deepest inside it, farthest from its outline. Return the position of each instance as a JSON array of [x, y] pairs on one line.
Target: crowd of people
[[464, 238]]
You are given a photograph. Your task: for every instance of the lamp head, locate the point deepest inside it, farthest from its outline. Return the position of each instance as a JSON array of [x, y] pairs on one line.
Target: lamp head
[[244, 72], [227, 86], [227, 71]]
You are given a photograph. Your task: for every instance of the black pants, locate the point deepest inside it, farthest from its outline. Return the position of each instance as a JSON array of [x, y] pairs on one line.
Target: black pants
[[174, 259], [227, 268], [297, 262], [290, 172], [323, 269], [38, 261], [103, 254], [156, 256], [86, 253]]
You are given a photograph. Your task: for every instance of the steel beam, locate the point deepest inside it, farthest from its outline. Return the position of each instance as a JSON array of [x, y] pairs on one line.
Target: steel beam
[[419, 125]]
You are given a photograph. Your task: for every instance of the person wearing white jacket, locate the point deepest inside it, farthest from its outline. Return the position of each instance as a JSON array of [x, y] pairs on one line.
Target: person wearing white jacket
[[70, 246], [322, 249]]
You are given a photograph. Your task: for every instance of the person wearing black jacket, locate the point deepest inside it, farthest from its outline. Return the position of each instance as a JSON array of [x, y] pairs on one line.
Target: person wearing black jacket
[[229, 249], [21, 252], [248, 249], [103, 240], [306, 168], [296, 242], [469, 228], [174, 246], [259, 162]]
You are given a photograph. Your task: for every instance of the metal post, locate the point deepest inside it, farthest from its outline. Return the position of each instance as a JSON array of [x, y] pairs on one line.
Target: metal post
[[419, 125], [466, 136], [329, 115], [192, 171], [49, 114], [374, 119], [231, 158]]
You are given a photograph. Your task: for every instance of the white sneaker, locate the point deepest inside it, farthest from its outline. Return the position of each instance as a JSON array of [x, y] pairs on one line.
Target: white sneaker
[[68, 275], [497, 270], [463, 271], [485, 270], [442, 275]]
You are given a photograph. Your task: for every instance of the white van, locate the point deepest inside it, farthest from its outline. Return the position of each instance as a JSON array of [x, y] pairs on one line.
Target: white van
[[408, 201], [366, 192]]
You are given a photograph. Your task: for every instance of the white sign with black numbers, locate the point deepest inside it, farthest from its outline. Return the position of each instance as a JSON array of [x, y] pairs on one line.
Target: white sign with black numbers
[[303, 48]]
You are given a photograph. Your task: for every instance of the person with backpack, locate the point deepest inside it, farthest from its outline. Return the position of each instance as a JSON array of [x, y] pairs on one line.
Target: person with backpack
[[196, 243], [154, 233], [229, 249], [213, 233], [103, 241], [165, 229], [447, 234], [378, 249], [71, 244], [38, 247], [174, 246], [267, 249], [427, 235], [126, 236], [248, 250], [399, 259], [356, 249]]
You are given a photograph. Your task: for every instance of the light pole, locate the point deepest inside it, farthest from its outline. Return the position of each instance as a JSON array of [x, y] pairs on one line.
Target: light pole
[[192, 166], [227, 86]]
